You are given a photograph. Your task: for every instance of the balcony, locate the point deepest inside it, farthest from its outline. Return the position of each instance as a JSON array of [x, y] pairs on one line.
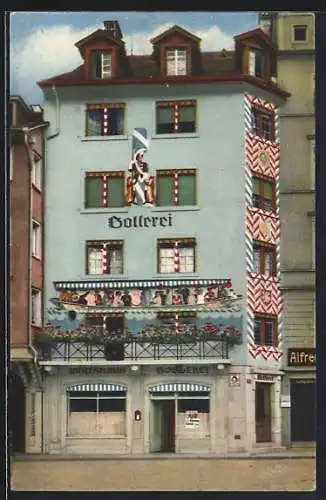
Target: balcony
[[133, 351]]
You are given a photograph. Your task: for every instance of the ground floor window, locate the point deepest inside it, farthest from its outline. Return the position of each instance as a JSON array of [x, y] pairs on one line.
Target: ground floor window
[[193, 413], [93, 413]]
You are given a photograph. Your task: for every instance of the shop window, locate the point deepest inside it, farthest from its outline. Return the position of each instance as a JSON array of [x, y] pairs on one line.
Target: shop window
[[263, 193], [263, 124], [265, 331], [105, 119], [264, 259], [104, 257], [92, 413], [176, 256], [176, 62], [193, 413], [175, 117], [104, 189], [299, 32], [176, 187], [101, 64]]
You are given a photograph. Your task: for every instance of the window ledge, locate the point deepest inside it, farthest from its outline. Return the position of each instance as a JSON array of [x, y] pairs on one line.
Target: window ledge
[[103, 138], [113, 277], [108, 210], [176, 136], [36, 257], [118, 436], [36, 188], [182, 276], [190, 208]]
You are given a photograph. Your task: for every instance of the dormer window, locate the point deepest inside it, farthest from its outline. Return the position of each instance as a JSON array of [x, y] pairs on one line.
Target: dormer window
[[256, 63], [176, 62], [101, 64]]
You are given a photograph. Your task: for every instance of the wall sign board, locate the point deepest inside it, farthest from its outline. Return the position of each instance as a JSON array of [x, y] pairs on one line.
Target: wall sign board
[[302, 357]]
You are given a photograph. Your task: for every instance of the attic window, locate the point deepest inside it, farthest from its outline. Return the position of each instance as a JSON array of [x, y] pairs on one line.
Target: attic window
[[176, 62], [300, 33], [101, 64], [256, 63]]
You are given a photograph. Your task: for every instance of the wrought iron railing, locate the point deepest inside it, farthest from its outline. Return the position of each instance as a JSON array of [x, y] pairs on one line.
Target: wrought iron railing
[[133, 350]]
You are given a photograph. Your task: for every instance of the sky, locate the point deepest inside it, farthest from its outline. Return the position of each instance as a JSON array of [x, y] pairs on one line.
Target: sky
[[42, 43]]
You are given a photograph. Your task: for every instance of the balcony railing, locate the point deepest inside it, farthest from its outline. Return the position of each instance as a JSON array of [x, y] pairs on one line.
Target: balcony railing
[[133, 350]]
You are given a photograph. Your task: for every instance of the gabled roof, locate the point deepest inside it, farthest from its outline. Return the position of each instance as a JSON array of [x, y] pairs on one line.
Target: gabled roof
[[256, 33], [96, 35], [178, 30]]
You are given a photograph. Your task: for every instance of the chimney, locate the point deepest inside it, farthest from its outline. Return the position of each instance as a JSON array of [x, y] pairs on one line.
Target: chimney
[[113, 29]]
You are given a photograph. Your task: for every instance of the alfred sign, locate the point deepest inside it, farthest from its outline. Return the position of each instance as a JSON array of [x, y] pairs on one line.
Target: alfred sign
[[139, 221], [302, 357]]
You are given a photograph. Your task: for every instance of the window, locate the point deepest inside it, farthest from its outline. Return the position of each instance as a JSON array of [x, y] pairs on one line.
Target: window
[[313, 242], [104, 189], [113, 323], [256, 63], [176, 256], [263, 194], [36, 239], [37, 171], [264, 259], [265, 331], [36, 307], [300, 32], [263, 124], [104, 257], [175, 117], [177, 319], [92, 413], [175, 187], [11, 164], [101, 64], [176, 62], [105, 119], [312, 146]]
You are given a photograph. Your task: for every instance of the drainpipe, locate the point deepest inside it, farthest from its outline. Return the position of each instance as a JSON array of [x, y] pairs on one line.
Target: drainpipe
[[57, 132]]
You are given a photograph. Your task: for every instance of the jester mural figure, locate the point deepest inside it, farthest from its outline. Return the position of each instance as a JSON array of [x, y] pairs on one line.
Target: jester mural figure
[[140, 185]]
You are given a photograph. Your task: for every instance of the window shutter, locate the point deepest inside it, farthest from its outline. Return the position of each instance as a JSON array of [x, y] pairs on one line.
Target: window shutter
[[95, 261], [116, 191], [94, 192], [187, 190], [164, 190]]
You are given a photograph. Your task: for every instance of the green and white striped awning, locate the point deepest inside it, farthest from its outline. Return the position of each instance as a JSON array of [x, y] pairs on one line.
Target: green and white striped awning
[[96, 388], [180, 388]]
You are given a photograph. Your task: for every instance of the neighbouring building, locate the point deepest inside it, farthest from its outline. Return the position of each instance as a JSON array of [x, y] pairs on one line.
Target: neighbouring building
[[26, 143], [162, 288], [294, 35]]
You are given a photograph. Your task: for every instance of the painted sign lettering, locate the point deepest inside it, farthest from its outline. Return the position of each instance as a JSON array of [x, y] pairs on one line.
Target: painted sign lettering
[[302, 357]]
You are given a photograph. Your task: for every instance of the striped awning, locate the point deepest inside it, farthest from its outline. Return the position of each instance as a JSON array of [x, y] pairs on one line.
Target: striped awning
[[80, 285], [96, 388], [180, 388]]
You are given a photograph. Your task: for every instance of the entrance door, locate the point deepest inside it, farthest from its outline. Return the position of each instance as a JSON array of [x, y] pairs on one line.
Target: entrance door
[[163, 425], [303, 407], [263, 413], [16, 414]]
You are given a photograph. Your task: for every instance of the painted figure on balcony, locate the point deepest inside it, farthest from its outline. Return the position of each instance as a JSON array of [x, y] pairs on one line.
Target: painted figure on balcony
[[140, 185], [136, 297]]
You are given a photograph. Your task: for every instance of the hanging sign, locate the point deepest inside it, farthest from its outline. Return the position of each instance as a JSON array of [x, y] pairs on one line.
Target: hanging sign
[[192, 419]]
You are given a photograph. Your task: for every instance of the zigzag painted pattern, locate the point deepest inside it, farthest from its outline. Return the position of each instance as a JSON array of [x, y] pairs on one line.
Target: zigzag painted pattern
[[264, 295], [262, 156], [266, 352], [262, 226]]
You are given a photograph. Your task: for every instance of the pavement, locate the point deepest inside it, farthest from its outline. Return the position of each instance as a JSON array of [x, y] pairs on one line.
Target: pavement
[[288, 470]]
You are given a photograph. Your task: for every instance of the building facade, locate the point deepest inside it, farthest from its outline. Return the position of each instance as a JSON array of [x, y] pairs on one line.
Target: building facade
[[26, 271], [294, 35], [162, 286]]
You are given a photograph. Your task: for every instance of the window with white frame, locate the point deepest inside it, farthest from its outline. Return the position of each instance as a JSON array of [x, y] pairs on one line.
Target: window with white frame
[[176, 62], [104, 257], [96, 410], [36, 239], [101, 64], [256, 63], [37, 171], [176, 256], [36, 307]]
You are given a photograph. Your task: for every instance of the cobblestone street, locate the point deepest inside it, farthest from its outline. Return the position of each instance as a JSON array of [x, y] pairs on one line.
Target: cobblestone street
[[196, 474]]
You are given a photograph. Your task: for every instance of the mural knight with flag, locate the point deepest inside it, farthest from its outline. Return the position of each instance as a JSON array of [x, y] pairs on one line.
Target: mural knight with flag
[[140, 185]]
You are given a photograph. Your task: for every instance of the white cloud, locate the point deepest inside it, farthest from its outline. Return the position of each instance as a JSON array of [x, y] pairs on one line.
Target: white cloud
[[51, 51]]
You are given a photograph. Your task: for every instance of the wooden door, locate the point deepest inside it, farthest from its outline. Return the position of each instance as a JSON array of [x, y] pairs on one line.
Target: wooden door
[[263, 413]]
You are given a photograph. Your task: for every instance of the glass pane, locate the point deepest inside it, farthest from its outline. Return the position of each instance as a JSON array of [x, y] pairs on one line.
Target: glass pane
[[166, 256], [94, 122], [108, 405], [93, 192], [200, 405], [96, 64], [256, 185], [268, 190], [187, 113], [256, 263], [82, 405], [164, 190], [187, 260], [252, 59], [257, 332], [165, 115], [116, 121], [116, 261], [269, 262], [269, 332], [95, 261], [187, 189], [116, 192]]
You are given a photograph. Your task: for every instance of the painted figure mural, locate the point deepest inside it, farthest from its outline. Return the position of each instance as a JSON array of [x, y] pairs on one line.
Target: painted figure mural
[[140, 185]]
